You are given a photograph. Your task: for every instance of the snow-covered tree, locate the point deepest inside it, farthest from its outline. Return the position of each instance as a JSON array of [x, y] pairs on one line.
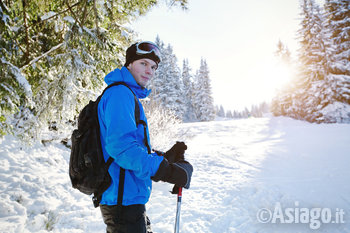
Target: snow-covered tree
[[255, 111], [246, 113], [316, 88], [167, 86], [236, 114], [158, 83], [189, 97], [283, 52], [187, 80], [229, 114], [220, 111], [53, 57], [312, 69], [203, 101], [337, 14], [259, 110]]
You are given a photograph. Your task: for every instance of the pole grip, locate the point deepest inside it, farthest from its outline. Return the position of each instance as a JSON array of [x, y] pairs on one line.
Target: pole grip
[[180, 192]]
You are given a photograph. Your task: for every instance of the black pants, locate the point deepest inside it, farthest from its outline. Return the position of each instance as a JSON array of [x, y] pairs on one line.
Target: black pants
[[133, 219]]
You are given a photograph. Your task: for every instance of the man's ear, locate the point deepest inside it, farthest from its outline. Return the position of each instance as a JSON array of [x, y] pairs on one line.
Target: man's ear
[[129, 65]]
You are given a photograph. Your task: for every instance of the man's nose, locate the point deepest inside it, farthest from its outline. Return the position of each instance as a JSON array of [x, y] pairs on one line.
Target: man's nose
[[149, 70]]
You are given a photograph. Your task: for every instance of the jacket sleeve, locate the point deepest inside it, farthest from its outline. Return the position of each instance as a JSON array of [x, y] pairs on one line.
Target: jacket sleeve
[[121, 138]]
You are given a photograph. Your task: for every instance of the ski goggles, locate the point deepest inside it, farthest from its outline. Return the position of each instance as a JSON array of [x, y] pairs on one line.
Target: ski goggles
[[146, 47]]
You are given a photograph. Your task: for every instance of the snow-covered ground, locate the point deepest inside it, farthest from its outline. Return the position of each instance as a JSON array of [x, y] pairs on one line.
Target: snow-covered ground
[[244, 171]]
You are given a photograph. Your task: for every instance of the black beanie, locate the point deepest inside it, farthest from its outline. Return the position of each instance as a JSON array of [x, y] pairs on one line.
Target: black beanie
[[131, 56]]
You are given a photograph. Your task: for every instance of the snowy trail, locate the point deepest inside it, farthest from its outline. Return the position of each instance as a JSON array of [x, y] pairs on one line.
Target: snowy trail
[[225, 161], [240, 167], [244, 165]]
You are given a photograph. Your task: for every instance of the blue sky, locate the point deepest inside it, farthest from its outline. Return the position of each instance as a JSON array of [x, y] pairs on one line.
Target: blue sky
[[237, 38]]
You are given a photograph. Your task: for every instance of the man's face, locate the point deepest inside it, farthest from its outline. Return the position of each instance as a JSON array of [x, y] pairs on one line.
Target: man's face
[[142, 70]]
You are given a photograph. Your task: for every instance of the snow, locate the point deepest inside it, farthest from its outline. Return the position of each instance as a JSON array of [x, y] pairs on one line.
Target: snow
[[337, 112], [48, 15], [69, 19], [21, 79], [240, 166], [15, 29], [125, 33]]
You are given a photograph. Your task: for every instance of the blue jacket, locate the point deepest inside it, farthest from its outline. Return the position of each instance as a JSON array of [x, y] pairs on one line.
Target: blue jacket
[[122, 140]]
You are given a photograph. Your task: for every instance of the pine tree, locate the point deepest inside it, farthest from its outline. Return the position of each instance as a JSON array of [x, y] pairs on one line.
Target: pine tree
[[187, 80], [167, 86], [53, 56], [337, 14], [220, 111], [246, 113], [229, 114], [158, 82], [203, 100], [315, 58], [255, 111], [283, 52]]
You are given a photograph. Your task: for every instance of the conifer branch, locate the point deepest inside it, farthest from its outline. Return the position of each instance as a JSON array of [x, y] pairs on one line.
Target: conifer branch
[[4, 7], [73, 14], [96, 18], [42, 55], [84, 13], [55, 15], [26, 54]]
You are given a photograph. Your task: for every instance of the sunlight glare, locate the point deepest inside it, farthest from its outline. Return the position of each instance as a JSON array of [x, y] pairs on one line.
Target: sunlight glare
[[280, 75]]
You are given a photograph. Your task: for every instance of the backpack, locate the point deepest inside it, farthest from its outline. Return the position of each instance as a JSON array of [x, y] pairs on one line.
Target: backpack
[[88, 171]]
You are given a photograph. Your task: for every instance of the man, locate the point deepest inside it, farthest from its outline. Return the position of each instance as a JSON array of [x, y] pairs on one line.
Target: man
[[128, 144]]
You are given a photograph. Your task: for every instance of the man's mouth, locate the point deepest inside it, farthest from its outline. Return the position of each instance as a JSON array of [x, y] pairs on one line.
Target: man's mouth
[[145, 78]]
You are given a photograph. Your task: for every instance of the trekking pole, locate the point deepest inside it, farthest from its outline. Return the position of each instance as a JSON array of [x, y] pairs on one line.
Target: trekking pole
[[178, 208]]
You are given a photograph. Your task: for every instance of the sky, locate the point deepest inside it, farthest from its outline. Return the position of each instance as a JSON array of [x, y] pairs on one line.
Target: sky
[[237, 38]]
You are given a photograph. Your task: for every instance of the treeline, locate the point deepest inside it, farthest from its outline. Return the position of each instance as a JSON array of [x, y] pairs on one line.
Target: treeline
[[187, 95], [255, 111]]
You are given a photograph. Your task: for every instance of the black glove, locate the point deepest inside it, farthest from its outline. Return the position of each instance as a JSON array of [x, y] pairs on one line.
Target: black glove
[[175, 189], [176, 153], [179, 173]]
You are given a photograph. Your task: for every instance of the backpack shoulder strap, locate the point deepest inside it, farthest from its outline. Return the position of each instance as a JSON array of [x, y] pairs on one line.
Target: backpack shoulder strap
[[137, 107]]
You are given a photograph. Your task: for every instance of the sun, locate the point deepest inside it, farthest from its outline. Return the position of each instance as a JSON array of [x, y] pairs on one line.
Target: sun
[[269, 78], [276, 75], [281, 75]]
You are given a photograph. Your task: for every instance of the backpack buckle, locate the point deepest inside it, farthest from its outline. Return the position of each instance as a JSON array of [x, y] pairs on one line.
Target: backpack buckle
[[95, 201]]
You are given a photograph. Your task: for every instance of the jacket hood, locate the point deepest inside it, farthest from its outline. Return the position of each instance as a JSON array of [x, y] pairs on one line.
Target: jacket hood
[[124, 75]]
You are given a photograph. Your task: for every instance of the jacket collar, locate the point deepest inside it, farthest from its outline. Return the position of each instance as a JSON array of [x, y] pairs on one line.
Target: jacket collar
[[124, 75]]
